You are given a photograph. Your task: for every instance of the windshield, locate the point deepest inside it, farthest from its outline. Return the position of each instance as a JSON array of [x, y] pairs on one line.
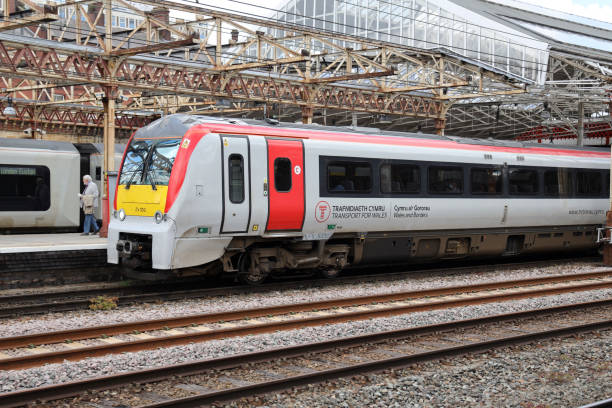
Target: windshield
[[149, 161]]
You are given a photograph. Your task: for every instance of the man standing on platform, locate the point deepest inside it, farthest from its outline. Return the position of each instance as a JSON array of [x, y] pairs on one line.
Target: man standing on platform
[[89, 201]]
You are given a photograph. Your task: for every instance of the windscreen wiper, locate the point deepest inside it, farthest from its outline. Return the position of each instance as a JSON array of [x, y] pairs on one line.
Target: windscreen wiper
[[134, 172], [147, 162]]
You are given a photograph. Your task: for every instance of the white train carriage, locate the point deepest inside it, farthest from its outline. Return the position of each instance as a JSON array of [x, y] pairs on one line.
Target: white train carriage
[[200, 195], [39, 183], [40, 180]]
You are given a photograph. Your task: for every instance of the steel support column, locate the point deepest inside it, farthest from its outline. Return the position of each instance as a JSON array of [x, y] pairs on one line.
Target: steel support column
[[440, 124], [109, 154], [307, 112], [580, 129]]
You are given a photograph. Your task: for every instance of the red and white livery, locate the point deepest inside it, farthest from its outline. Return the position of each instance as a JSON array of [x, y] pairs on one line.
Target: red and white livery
[[204, 195]]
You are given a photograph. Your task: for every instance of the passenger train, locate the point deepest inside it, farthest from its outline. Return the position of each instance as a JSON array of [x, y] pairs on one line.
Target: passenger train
[[40, 180], [199, 195]]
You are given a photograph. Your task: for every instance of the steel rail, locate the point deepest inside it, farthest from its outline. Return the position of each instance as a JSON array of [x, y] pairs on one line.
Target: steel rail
[[126, 298], [32, 360], [183, 321], [374, 366], [599, 404], [70, 389]]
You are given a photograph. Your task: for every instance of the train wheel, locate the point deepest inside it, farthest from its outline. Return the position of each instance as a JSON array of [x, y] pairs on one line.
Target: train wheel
[[249, 272]]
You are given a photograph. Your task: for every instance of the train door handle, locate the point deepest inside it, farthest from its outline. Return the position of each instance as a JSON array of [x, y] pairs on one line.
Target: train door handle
[[265, 188]]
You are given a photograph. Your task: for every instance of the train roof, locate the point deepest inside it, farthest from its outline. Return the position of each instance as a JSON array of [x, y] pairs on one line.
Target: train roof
[[38, 144], [176, 125]]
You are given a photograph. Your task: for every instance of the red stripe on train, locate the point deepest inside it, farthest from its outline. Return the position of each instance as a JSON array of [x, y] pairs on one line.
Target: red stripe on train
[[391, 140], [179, 169]]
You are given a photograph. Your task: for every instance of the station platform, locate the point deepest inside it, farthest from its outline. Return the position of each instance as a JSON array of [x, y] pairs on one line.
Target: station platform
[[10, 244], [49, 258]]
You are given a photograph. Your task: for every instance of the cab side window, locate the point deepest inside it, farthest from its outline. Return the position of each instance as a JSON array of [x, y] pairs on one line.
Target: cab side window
[[236, 178]]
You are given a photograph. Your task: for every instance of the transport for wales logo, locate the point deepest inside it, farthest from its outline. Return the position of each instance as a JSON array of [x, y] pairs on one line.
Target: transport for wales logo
[[322, 211]]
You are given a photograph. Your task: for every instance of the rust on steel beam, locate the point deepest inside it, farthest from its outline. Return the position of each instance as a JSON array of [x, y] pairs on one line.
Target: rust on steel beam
[[251, 65], [58, 115], [425, 87], [66, 101], [27, 21], [349, 77], [175, 78], [154, 47], [480, 94]]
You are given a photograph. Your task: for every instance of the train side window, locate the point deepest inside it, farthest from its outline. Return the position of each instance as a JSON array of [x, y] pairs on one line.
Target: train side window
[[399, 178], [445, 180], [558, 183], [588, 183], [606, 186], [282, 174], [349, 177], [486, 180], [24, 188], [236, 178], [523, 181], [98, 173]]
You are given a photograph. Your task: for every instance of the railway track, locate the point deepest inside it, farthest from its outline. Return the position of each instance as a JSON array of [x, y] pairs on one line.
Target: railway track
[[230, 378], [38, 349], [70, 300]]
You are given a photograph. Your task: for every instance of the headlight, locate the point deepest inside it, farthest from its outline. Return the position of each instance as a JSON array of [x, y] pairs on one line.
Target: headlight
[[122, 214], [159, 217]]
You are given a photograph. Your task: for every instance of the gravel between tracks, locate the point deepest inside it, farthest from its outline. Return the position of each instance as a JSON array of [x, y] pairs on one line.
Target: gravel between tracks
[[67, 371], [555, 373], [86, 318]]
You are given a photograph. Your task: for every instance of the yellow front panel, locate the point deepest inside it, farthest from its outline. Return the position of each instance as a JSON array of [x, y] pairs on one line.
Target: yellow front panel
[[141, 199]]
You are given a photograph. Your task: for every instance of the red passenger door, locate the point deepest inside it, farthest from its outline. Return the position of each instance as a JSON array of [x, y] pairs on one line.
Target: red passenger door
[[286, 175]]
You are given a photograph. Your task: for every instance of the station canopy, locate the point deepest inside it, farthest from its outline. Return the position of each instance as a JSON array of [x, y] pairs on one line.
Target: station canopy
[[498, 69]]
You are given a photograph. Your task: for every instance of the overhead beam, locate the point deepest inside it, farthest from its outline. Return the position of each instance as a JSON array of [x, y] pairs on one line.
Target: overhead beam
[[424, 87], [66, 101], [349, 77], [480, 94], [154, 47], [190, 79], [27, 21], [251, 65]]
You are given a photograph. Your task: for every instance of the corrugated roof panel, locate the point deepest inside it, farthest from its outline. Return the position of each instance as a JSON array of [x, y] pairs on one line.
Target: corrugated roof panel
[[555, 14], [567, 37]]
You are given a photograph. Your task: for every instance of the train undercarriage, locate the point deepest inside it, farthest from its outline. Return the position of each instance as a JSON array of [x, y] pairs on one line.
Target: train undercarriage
[[254, 259]]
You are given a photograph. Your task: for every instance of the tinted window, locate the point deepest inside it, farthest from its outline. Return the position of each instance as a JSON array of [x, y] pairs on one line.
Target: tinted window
[[606, 192], [486, 180], [558, 183], [399, 178], [24, 188], [236, 178], [350, 177], [445, 180], [282, 174], [588, 183], [523, 181], [149, 161]]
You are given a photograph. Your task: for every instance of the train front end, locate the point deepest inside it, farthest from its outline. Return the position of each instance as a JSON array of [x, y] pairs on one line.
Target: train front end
[[140, 232]]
